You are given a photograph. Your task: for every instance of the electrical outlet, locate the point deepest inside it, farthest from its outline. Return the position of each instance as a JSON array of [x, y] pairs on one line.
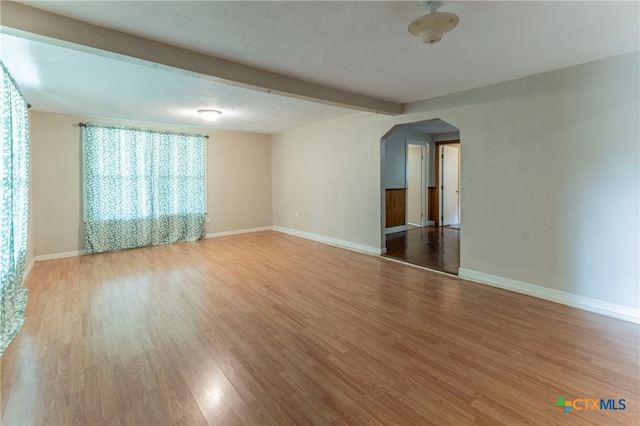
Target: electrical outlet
[[208, 219], [297, 214]]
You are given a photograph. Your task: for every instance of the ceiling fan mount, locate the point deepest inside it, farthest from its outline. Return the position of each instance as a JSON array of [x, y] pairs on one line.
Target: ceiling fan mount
[[432, 26]]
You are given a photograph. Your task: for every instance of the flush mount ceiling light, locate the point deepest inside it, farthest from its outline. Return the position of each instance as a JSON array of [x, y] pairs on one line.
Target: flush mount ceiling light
[[209, 114], [433, 25]]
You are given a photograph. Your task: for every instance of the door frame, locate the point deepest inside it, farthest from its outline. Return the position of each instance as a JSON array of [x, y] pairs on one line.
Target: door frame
[[423, 184], [437, 169]]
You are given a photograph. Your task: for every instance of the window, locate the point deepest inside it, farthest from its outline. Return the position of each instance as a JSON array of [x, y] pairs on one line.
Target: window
[[14, 205], [142, 187]]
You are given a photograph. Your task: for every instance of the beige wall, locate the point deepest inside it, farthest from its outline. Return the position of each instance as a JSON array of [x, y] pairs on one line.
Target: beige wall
[[549, 178], [329, 172], [238, 180]]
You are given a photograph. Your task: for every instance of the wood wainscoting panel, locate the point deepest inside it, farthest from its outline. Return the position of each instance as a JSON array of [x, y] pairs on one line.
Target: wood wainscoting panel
[[396, 200], [432, 214]]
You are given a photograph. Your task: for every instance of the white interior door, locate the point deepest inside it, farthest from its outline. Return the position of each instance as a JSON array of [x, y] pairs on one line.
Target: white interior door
[[450, 184], [415, 179]]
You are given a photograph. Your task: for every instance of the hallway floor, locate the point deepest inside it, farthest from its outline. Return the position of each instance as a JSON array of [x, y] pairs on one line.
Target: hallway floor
[[432, 247]]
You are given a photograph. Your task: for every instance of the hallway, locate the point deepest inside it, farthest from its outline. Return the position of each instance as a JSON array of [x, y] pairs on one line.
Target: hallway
[[432, 247]]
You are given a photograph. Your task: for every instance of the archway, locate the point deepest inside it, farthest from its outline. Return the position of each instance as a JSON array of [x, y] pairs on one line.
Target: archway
[[415, 197]]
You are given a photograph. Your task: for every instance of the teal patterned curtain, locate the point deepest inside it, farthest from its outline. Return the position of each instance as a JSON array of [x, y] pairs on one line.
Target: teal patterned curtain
[[14, 199], [142, 187]]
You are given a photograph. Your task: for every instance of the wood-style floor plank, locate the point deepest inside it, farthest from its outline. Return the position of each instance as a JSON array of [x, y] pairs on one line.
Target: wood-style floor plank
[[266, 328], [430, 246]]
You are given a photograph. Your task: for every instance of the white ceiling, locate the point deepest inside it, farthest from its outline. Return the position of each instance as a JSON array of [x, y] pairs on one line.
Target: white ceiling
[[362, 47], [58, 79]]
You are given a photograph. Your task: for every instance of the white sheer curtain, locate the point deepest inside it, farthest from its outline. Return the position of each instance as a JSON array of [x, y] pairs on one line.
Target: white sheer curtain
[[142, 187], [14, 204]]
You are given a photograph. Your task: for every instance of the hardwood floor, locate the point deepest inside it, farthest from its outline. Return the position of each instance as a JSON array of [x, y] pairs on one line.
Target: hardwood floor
[[432, 247], [267, 328]]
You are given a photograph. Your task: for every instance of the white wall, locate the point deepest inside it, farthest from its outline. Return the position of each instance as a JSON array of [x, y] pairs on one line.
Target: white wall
[[238, 180], [549, 180], [329, 172]]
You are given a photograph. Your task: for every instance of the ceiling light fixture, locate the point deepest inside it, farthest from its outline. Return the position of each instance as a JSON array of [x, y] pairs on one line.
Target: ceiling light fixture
[[209, 114], [433, 25]]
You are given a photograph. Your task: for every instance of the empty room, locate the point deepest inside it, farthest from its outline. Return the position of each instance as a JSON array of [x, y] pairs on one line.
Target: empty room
[[320, 212]]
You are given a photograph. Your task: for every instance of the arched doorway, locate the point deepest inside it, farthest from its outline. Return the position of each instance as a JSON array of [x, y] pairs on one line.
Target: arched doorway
[[421, 195]]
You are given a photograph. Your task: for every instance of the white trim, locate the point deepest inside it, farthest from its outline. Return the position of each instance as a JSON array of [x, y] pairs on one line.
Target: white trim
[[431, 223], [413, 265], [586, 303], [423, 174], [395, 229], [360, 248], [28, 268], [216, 234], [238, 231], [58, 255]]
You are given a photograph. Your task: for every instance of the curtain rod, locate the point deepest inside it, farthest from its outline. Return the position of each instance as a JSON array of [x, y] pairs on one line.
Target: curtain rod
[[85, 125]]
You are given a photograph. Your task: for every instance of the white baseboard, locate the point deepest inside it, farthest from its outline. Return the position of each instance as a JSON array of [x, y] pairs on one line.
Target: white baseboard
[[395, 229], [413, 265], [360, 248], [28, 268], [238, 231], [594, 305], [58, 255], [213, 235]]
